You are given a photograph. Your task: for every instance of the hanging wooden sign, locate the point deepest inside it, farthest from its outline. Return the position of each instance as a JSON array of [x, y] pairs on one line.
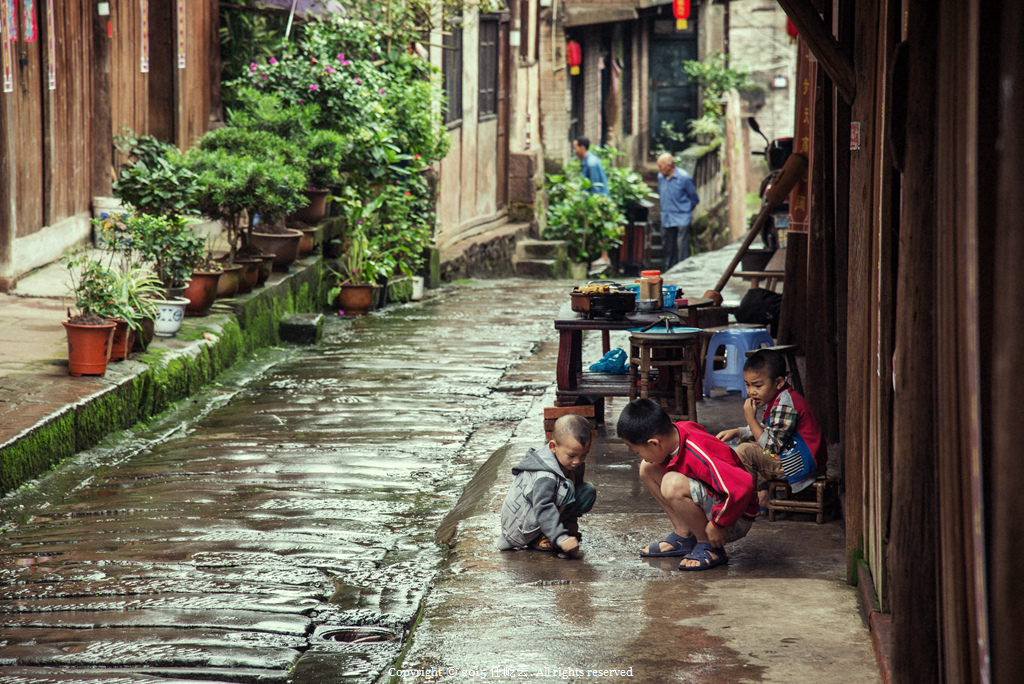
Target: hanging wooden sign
[[806, 76], [28, 8], [7, 49], [51, 48], [144, 56], [181, 34]]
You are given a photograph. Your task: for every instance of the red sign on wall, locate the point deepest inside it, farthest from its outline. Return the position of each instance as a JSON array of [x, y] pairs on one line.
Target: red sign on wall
[[806, 78]]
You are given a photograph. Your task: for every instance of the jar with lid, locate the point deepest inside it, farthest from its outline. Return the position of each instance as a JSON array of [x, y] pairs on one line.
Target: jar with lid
[[650, 285]]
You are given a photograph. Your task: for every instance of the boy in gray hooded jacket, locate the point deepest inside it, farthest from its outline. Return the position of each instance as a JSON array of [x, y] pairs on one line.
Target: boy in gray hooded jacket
[[548, 496]]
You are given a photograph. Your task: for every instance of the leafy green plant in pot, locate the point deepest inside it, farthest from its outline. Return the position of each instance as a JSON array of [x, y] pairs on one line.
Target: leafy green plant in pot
[[588, 222], [169, 247], [156, 179], [102, 297], [248, 174], [361, 267]]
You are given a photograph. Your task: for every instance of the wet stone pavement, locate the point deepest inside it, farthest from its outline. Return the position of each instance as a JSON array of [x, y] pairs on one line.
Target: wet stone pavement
[[281, 525]]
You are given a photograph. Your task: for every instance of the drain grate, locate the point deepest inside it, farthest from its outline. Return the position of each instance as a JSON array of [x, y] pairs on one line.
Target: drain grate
[[357, 635]]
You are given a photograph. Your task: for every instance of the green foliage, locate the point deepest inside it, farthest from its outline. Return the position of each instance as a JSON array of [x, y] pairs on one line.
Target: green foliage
[[169, 245], [156, 179], [100, 290], [716, 80], [625, 185], [324, 158], [588, 222], [237, 180]]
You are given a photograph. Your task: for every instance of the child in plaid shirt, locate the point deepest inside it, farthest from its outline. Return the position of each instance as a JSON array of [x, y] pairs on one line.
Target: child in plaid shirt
[[787, 440]]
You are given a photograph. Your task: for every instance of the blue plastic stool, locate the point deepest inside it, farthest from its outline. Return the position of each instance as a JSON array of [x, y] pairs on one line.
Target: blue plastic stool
[[737, 342]]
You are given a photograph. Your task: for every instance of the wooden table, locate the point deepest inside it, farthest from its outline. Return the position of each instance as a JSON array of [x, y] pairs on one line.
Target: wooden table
[[573, 381]]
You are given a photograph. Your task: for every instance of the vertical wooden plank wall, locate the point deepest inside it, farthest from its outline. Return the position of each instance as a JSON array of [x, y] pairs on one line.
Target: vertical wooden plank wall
[[913, 565], [67, 110], [27, 135], [193, 81], [1002, 330], [129, 95], [956, 123], [858, 347]]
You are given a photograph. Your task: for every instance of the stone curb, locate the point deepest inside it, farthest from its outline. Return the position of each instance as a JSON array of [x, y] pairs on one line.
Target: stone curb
[[171, 370]]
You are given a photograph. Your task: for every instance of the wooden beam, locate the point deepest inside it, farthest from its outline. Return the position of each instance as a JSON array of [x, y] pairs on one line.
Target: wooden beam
[[833, 60]]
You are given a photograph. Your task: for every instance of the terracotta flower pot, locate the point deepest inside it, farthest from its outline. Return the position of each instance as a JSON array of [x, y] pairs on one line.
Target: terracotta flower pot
[[227, 284], [355, 299], [250, 274], [308, 241], [266, 268], [124, 339], [201, 292], [144, 335], [89, 348], [284, 246], [314, 211]]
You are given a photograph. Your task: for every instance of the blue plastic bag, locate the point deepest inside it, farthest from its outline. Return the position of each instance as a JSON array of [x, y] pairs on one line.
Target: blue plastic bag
[[614, 361]]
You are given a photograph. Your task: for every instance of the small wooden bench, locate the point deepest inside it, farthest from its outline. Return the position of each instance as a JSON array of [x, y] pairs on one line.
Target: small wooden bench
[[782, 499], [771, 278]]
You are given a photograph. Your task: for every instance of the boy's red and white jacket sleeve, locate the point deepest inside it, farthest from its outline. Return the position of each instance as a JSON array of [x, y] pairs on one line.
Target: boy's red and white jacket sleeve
[[708, 459]]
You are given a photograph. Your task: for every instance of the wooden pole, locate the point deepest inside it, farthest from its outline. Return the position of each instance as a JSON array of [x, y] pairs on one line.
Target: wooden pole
[[794, 168], [836, 63]]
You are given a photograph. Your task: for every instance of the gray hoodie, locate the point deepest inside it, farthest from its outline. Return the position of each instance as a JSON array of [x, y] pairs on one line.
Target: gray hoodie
[[531, 505]]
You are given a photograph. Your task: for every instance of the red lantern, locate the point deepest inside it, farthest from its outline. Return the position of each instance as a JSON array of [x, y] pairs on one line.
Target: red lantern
[[681, 10], [574, 55], [791, 30]]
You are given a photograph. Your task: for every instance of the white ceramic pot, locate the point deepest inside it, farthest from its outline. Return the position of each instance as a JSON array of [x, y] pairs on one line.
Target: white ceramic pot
[[417, 288], [170, 314]]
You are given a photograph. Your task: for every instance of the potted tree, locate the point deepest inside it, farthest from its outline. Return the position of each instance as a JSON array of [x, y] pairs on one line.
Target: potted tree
[[325, 153], [248, 176]]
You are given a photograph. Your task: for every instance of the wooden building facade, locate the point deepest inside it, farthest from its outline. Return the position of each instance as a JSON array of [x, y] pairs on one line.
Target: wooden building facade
[[911, 269], [75, 73]]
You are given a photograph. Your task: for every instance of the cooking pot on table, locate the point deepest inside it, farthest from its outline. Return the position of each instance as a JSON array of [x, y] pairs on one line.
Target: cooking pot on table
[[593, 304]]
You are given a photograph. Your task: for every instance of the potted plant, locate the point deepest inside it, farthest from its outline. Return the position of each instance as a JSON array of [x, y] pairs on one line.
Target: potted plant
[[353, 290], [102, 297], [156, 179], [325, 153], [250, 176], [201, 291], [170, 248]]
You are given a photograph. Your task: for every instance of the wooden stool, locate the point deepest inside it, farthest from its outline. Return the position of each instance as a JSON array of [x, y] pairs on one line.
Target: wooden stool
[[789, 351], [675, 360], [780, 498]]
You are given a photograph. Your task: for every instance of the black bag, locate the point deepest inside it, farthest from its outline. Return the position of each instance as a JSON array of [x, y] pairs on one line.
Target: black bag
[[760, 306]]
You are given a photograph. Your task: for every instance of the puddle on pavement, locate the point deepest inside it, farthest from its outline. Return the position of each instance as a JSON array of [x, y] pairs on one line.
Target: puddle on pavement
[[290, 526]]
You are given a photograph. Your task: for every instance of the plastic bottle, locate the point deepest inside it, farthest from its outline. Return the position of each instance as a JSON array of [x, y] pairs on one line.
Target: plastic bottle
[[650, 285]]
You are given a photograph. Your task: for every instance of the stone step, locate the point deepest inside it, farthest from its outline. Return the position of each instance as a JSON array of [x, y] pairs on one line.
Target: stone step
[[541, 249], [543, 268]]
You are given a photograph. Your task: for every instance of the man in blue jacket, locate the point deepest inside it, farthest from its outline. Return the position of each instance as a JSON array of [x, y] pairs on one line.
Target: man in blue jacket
[[678, 200], [592, 169]]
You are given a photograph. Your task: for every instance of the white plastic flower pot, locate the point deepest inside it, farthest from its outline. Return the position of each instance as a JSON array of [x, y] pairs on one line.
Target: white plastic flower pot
[[417, 288]]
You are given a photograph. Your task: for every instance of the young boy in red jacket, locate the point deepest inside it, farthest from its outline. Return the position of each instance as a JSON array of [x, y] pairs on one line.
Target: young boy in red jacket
[[697, 480]]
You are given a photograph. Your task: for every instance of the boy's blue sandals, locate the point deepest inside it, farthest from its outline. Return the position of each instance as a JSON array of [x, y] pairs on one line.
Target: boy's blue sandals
[[702, 552], [680, 546]]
